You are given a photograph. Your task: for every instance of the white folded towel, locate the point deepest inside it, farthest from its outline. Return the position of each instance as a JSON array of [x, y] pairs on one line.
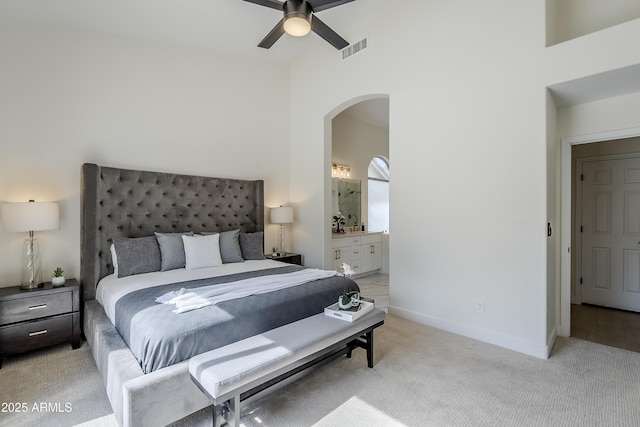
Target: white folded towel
[[193, 299]]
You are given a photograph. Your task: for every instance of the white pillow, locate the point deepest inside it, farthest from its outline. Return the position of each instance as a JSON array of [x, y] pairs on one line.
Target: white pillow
[[114, 259], [202, 251]]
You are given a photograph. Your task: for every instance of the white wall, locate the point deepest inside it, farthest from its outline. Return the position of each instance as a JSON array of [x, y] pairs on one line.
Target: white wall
[[355, 143], [70, 97], [468, 120], [474, 142]]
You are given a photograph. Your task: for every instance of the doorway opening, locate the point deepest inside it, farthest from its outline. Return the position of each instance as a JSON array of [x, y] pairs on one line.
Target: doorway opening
[[605, 236], [357, 131]]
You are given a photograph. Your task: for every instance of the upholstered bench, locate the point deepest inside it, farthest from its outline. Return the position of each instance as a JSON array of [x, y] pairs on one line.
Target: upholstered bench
[[241, 370]]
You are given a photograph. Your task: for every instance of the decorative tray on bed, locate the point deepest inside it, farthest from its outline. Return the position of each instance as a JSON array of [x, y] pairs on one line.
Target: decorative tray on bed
[[350, 315]]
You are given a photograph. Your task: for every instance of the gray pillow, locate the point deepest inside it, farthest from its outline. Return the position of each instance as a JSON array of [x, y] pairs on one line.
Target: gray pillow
[[171, 250], [137, 255], [252, 245], [229, 246]]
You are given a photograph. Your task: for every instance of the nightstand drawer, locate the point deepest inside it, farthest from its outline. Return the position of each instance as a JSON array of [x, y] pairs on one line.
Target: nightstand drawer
[[35, 307], [31, 335]]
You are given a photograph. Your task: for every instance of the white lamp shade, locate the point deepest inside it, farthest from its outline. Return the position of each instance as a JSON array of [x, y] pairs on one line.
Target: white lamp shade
[[281, 215], [30, 216]]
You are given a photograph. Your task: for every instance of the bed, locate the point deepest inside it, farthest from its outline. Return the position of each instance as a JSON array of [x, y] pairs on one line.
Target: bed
[[147, 382]]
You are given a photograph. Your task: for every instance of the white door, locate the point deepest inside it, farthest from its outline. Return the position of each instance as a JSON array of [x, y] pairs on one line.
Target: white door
[[610, 231]]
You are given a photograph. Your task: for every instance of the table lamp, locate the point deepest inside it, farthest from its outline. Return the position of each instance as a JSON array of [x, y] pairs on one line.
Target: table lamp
[[30, 217], [281, 215]]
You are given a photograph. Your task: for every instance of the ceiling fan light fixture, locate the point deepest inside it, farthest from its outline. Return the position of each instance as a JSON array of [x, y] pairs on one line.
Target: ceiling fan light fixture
[[297, 17], [299, 20], [297, 24]]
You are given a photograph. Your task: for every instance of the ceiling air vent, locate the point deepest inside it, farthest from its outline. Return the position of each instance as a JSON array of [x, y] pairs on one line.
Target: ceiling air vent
[[354, 48]]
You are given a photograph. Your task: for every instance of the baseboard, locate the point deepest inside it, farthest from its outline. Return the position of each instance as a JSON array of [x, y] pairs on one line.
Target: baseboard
[[501, 340]]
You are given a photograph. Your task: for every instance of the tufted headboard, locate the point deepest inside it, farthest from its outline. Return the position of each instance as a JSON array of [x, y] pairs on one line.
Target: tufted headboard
[[131, 203]]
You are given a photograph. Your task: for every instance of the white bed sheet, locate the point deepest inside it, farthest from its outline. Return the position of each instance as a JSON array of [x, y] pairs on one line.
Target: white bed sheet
[[111, 288]]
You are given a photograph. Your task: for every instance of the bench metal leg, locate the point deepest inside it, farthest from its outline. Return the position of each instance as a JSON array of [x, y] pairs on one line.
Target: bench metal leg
[[217, 413], [228, 412], [217, 421], [233, 413], [367, 344], [369, 336]]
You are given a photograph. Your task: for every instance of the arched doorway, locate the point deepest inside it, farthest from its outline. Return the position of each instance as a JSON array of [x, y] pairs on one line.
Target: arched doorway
[[366, 107], [359, 132]]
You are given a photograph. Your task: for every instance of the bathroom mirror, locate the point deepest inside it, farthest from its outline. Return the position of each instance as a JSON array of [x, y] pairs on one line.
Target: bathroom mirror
[[346, 196]]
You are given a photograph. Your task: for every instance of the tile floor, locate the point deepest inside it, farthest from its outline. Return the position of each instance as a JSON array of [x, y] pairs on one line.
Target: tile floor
[[615, 328], [375, 286]]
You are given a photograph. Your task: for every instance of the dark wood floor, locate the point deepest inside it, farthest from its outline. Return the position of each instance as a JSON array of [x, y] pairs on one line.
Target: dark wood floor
[[615, 328]]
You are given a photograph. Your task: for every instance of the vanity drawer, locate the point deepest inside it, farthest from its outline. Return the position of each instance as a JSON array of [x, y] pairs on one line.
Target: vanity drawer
[[355, 252], [35, 307], [31, 335]]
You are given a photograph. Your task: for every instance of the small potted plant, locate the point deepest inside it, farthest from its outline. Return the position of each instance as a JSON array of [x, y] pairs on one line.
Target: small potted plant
[[58, 278], [274, 251], [348, 299]]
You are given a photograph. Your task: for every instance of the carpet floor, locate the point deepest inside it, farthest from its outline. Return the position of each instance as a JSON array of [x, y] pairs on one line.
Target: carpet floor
[[422, 377]]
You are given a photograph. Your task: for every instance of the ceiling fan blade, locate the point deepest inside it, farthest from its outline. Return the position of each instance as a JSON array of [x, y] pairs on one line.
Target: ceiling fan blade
[[323, 30], [273, 4], [320, 5], [273, 35]]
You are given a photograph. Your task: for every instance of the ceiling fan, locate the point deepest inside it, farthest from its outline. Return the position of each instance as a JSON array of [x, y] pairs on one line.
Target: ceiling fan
[[299, 20]]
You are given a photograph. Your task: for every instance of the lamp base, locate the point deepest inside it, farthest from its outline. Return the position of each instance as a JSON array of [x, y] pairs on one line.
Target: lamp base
[[31, 286], [31, 274], [281, 250]]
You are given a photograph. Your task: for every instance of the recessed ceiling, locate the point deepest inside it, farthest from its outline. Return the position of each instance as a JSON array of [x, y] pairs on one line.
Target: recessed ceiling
[[232, 26]]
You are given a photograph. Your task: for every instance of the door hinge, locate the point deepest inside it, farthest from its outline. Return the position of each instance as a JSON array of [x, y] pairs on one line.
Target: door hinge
[[581, 229], [581, 280], [581, 177]]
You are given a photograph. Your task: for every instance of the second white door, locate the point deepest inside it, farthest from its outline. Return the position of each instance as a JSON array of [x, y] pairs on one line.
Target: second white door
[[610, 233]]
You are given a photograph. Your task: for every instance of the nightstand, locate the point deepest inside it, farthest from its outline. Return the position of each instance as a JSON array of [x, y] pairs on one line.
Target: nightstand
[[289, 258], [39, 318]]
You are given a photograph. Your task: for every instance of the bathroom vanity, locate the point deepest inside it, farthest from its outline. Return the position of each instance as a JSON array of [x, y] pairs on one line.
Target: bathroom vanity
[[361, 250]]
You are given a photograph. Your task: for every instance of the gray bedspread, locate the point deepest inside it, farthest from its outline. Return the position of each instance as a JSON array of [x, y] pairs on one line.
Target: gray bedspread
[[158, 337]]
